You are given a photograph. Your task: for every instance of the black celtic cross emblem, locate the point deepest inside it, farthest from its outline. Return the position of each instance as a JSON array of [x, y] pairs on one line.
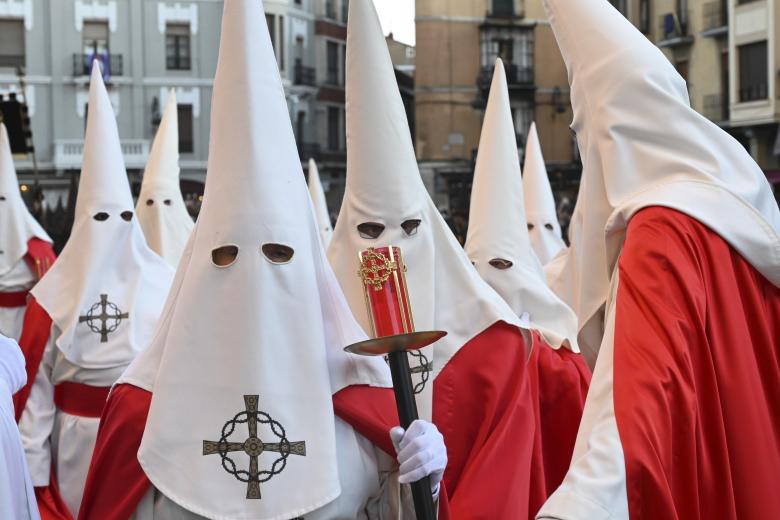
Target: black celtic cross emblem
[[424, 368], [107, 314], [253, 447]]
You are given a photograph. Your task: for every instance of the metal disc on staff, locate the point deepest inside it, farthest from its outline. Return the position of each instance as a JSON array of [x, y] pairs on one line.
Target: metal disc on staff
[[382, 271]]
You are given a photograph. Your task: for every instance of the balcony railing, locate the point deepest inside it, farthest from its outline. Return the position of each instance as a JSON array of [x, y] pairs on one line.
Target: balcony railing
[[755, 92], [303, 75], [111, 64], [308, 151], [715, 17], [673, 30], [330, 9], [69, 153], [516, 76], [715, 107]]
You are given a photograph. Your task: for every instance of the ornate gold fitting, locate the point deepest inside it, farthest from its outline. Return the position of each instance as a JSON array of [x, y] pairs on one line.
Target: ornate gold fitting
[[376, 268]]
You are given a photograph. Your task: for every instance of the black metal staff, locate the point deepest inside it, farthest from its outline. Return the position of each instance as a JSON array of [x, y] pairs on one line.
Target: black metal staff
[[383, 273]]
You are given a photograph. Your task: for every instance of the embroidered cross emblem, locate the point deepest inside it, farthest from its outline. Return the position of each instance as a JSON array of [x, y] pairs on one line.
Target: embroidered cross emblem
[[253, 447], [109, 316]]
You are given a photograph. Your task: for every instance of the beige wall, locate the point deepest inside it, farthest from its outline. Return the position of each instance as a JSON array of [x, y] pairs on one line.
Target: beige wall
[[448, 63]]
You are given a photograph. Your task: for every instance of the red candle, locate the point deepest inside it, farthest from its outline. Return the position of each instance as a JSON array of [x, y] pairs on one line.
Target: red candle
[[382, 270]]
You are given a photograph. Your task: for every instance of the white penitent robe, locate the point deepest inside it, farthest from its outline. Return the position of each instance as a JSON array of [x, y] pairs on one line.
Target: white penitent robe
[[17, 498], [369, 487], [51, 436], [20, 278]]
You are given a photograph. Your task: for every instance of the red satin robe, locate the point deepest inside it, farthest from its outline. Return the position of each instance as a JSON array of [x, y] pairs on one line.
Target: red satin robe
[[697, 374]]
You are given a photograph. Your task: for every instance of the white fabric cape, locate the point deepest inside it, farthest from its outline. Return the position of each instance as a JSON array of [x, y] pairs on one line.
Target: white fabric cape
[[104, 257], [384, 186], [161, 211], [17, 225], [497, 226], [643, 145], [320, 204], [539, 202], [253, 327]]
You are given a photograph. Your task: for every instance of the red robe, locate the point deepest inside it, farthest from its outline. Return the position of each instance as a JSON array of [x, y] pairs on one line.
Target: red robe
[[371, 411], [494, 408], [40, 257], [35, 335], [697, 343]]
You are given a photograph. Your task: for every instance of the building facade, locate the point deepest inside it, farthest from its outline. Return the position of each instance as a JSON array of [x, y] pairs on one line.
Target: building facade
[[458, 42], [729, 53], [145, 48]]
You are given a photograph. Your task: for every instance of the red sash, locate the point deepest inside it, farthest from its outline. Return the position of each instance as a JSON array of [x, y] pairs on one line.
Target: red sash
[[81, 400], [9, 300]]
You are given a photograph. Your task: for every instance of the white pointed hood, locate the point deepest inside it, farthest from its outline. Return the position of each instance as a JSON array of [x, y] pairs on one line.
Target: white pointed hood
[[17, 225], [497, 226], [160, 209], [106, 266], [320, 204], [642, 145], [544, 229], [231, 350], [384, 186]]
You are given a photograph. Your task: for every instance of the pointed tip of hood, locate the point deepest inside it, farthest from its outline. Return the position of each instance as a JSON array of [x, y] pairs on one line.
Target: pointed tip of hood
[[162, 167], [381, 162], [103, 182]]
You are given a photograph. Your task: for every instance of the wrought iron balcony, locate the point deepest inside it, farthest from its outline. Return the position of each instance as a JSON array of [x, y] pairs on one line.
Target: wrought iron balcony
[[303, 75], [516, 76], [715, 19], [502, 9], [308, 151], [110, 63], [756, 92], [673, 30]]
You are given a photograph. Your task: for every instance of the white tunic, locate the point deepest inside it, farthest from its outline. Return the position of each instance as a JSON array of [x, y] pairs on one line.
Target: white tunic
[[20, 278], [369, 487], [17, 498], [52, 436]]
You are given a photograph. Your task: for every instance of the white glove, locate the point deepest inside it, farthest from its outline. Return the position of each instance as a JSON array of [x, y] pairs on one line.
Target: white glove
[[421, 453]]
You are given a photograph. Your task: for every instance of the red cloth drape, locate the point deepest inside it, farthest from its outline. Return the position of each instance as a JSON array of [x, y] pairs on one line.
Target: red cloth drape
[[697, 374], [35, 334], [50, 502], [40, 256]]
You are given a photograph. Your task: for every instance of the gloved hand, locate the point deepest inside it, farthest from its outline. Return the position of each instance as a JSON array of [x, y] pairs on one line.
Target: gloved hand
[[421, 452]]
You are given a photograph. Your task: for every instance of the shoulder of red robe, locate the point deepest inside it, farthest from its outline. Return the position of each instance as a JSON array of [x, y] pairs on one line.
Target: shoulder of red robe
[[36, 330], [372, 413], [115, 458], [691, 310], [40, 256]]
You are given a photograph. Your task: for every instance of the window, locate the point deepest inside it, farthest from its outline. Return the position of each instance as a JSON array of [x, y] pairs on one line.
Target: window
[[334, 128], [280, 54], [11, 43], [177, 47], [94, 38], [523, 116], [186, 144], [333, 63], [753, 71], [644, 16], [269, 19], [503, 8]]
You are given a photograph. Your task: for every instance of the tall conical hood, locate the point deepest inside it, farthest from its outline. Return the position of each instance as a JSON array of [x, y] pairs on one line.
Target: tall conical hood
[[106, 268], [17, 225], [386, 197], [161, 210], [231, 340], [320, 204], [498, 242], [641, 144], [543, 226]]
